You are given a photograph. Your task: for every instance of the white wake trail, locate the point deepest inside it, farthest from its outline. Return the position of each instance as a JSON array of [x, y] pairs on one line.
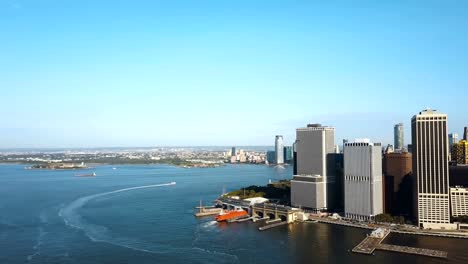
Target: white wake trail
[[96, 232]]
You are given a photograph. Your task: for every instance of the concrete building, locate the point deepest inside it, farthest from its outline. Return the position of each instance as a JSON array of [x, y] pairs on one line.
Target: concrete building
[[363, 180], [398, 136], [430, 169], [312, 186], [459, 201], [397, 166], [460, 152], [279, 148]]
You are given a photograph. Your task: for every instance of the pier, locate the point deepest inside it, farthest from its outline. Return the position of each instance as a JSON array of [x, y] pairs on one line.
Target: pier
[[371, 242], [374, 242], [206, 210], [263, 228], [415, 251]]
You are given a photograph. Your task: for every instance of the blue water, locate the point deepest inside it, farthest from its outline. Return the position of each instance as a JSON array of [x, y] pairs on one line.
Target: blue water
[[131, 215]]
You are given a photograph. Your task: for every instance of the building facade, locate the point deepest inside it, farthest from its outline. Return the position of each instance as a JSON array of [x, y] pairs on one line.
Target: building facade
[[465, 133], [398, 136], [460, 152], [397, 166], [362, 180], [271, 156], [279, 149], [313, 184], [430, 169], [459, 201], [288, 154], [453, 139]]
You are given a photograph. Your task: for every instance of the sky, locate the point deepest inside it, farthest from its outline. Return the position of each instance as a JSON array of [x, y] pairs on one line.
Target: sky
[[86, 73]]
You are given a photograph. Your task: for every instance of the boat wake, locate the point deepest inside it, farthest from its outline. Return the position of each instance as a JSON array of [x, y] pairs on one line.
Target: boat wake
[[98, 233]]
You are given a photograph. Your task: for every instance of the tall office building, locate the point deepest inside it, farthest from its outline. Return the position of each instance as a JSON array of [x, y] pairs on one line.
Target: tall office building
[[312, 186], [430, 169], [397, 168], [453, 139], [363, 180], [233, 151], [465, 134], [288, 154], [294, 157], [279, 148], [398, 137]]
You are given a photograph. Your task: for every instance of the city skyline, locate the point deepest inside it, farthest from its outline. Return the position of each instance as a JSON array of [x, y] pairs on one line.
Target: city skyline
[[139, 74]]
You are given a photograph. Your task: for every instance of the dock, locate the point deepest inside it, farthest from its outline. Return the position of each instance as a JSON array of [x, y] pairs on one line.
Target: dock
[[415, 251], [266, 227], [206, 210], [374, 242], [370, 243]]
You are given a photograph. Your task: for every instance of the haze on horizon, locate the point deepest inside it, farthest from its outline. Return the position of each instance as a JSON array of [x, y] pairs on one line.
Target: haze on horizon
[[206, 73]]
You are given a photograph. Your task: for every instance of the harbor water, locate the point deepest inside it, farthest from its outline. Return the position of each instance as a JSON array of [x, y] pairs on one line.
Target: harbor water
[[135, 214]]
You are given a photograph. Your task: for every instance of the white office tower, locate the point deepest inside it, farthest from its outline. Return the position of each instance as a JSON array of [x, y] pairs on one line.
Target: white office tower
[[363, 180], [313, 185], [279, 149], [430, 169]]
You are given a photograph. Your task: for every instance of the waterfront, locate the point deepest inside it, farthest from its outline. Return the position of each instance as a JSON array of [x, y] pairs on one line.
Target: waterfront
[[53, 217]]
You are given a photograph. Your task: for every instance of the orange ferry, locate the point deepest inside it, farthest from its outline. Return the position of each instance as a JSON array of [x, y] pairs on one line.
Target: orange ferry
[[230, 214]]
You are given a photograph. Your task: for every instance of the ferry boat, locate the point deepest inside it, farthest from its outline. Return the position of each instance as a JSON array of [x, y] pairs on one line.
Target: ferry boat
[[230, 214]]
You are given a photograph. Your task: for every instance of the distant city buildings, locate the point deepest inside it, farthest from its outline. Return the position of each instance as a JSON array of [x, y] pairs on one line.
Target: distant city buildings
[[459, 201], [363, 180], [430, 169], [398, 136], [465, 134], [279, 148], [312, 186], [233, 151]]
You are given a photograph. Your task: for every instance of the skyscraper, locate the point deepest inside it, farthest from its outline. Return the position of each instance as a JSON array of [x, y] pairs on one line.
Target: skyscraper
[[465, 134], [288, 154], [312, 187], [430, 169], [453, 139], [279, 148], [398, 137], [233, 151], [363, 180], [397, 181]]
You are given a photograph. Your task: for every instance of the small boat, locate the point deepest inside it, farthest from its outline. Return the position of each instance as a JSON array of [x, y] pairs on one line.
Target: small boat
[[86, 175], [230, 214], [114, 168]]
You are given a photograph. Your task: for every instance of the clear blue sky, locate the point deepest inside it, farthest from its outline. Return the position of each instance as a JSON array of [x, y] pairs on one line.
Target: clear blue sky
[[86, 73]]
